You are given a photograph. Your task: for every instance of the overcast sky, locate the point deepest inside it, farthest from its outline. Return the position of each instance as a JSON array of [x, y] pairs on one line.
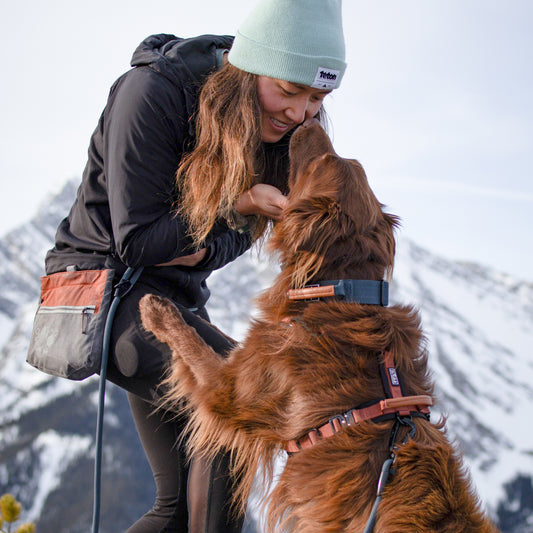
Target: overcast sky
[[436, 104]]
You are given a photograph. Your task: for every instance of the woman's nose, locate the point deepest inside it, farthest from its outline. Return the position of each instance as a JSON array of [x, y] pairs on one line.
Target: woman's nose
[[297, 111]]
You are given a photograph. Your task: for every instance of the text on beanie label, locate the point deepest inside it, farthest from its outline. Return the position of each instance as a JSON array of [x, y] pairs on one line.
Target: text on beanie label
[[325, 78]]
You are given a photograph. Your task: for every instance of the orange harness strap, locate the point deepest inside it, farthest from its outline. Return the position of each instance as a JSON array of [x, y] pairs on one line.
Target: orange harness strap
[[397, 404]]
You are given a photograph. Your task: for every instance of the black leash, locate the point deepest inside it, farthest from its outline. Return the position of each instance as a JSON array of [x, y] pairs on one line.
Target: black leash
[[123, 287], [386, 469]]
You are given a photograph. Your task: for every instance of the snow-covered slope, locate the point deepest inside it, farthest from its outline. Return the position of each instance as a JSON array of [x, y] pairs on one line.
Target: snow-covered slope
[[479, 328]]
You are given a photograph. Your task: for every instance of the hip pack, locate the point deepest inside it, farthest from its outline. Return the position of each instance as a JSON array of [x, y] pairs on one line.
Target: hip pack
[[68, 331]]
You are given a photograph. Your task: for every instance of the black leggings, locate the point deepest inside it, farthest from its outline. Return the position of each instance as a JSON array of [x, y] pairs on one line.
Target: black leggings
[[191, 496]]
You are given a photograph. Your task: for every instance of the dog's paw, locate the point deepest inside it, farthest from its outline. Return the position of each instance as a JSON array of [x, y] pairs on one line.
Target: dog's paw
[[160, 316]]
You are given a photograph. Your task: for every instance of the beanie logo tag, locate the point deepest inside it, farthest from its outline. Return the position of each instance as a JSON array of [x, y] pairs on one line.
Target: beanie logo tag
[[326, 78]]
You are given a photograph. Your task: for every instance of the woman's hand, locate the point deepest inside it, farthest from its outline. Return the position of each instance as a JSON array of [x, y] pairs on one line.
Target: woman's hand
[[187, 260], [261, 199]]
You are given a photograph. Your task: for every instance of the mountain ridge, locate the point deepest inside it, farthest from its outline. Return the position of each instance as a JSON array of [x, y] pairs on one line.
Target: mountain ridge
[[477, 321]]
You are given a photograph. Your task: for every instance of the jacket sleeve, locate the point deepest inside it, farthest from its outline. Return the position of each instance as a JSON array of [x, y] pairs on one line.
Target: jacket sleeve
[[224, 249], [143, 136]]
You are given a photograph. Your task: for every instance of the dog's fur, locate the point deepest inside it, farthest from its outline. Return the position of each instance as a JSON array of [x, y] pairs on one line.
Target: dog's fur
[[304, 362]]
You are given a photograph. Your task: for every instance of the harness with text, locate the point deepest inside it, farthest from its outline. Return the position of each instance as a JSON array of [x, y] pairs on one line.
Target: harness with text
[[389, 408], [395, 406]]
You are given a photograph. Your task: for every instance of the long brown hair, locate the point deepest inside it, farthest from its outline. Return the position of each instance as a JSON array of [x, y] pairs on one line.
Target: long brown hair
[[229, 156]]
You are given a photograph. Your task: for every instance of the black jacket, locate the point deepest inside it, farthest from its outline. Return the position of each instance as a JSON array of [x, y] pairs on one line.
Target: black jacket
[[123, 213]]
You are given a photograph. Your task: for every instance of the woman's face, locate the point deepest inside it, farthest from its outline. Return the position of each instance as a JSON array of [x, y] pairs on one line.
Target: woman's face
[[284, 105]]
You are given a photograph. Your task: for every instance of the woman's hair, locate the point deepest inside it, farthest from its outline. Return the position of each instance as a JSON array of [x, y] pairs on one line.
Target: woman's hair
[[229, 156]]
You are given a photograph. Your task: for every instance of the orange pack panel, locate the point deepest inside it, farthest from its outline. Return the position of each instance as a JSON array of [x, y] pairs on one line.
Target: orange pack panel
[[80, 288]]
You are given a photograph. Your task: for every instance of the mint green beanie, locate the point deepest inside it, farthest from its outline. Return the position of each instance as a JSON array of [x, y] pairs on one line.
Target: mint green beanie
[[300, 41]]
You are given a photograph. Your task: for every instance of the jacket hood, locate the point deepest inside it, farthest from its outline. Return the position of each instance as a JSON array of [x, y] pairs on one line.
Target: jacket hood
[[181, 59]]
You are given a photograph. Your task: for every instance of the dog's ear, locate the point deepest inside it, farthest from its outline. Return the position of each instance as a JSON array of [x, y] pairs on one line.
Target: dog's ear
[[335, 223], [303, 237], [314, 219]]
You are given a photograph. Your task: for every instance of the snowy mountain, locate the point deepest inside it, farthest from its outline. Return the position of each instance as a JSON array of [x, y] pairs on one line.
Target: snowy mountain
[[479, 326]]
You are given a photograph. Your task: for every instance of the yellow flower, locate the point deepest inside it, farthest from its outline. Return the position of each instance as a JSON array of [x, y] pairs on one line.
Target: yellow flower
[[10, 508], [26, 528]]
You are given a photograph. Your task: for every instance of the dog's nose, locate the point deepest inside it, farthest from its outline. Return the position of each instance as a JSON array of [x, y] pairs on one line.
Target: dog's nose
[[309, 123]]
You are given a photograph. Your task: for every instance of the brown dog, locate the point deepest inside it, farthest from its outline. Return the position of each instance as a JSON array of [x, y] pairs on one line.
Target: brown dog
[[306, 363]]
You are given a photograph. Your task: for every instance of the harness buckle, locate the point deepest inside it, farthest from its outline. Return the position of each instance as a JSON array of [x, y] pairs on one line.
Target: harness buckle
[[342, 421], [351, 419]]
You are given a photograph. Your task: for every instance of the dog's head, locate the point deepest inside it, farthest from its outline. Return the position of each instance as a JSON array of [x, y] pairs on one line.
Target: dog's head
[[333, 226]]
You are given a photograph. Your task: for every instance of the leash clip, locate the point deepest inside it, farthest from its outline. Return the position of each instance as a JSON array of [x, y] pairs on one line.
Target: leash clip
[[407, 421]]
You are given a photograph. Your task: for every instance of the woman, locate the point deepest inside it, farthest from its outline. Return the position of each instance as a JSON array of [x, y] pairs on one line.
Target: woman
[[217, 113]]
